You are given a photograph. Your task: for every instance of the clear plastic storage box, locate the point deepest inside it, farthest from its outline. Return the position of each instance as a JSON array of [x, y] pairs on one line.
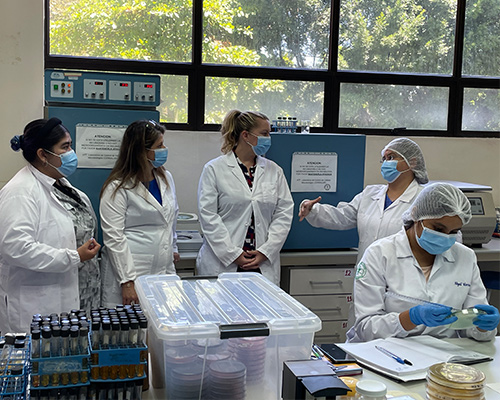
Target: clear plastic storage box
[[225, 338]]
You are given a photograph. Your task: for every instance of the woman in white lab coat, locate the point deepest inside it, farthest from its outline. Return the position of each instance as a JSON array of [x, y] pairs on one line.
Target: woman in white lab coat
[[244, 202], [39, 234], [138, 214], [422, 261], [377, 210]]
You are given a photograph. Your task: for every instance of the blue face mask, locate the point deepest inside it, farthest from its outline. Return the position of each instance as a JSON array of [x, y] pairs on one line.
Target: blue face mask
[[389, 170], [69, 162], [263, 144], [435, 242], [160, 157]]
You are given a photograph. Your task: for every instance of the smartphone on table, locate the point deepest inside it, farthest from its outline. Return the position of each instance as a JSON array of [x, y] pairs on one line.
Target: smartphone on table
[[336, 354]]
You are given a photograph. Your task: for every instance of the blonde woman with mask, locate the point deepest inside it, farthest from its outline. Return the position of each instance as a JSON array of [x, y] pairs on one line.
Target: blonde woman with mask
[[244, 202]]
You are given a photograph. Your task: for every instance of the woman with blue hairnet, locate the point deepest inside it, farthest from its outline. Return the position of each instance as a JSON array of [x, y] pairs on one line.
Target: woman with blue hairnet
[[422, 261], [377, 210]]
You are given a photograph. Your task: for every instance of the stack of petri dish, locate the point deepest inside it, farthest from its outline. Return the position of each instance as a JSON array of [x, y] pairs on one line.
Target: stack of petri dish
[[449, 381], [227, 380], [251, 351]]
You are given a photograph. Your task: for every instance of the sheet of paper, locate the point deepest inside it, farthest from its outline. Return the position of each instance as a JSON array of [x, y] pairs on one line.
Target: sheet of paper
[[314, 172], [97, 145]]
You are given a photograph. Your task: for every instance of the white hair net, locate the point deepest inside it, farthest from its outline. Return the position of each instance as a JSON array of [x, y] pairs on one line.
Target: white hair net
[[413, 156], [436, 201]]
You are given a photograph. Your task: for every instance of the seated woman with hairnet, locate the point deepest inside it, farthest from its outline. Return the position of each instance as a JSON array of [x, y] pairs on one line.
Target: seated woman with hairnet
[[422, 261], [377, 210]]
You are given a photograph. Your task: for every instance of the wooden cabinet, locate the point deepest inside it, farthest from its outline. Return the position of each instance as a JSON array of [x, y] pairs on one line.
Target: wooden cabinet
[[327, 291]]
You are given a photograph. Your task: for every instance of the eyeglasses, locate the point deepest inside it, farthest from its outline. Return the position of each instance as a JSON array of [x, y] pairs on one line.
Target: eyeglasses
[[152, 124]]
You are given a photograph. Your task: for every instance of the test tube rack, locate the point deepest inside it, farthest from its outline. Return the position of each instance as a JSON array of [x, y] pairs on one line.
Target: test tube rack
[[118, 363], [57, 372], [14, 372], [284, 125]]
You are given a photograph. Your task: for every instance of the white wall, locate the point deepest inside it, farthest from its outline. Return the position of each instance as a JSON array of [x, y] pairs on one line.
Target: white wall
[[21, 75], [458, 159], [21, 85]]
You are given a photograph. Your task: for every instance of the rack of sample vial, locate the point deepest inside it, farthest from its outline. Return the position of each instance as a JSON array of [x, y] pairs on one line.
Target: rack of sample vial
[[60, 353], [118, 351], [284, 125], [14, 366]]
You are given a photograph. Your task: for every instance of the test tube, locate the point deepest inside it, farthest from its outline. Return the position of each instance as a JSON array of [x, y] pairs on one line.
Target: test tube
[[124, 333], [55, 341], [143, 325], [115, 333], [53, 394], [82, 393], [133, 338], [138, 390], [119, 391], [17, 371], [74, 333], [46, 336], [96, 326], [64, 350], [73, 393], [105, 334], [84, 340], [35, 343]]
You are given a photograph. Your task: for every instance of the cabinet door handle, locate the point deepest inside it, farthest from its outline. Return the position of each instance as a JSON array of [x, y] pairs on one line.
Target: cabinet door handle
[[339, 282], [338, 309], [328, 336]]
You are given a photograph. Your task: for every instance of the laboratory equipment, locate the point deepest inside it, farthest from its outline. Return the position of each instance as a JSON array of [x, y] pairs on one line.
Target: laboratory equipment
[[96, 108], [238, 328], [328, 165], [189, 238], [480, 228], [308, 379]]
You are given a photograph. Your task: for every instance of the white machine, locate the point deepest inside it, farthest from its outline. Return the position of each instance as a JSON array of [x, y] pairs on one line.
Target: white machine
[[480, 228], [189, 238]]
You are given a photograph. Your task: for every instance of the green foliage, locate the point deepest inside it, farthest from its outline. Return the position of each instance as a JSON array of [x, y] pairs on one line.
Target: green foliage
[[411, 36]]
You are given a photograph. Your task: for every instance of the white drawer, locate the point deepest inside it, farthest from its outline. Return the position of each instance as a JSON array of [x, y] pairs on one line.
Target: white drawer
[[327, 307], [321, 280], [331, 332]]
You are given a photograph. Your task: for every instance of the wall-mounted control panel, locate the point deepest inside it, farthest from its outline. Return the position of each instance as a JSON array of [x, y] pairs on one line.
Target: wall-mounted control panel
[[82, 87]]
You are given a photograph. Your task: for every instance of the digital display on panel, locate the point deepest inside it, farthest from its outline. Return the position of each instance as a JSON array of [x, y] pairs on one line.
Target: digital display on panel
[[476, 204], [124, 84], [148, 86], [98, 83]]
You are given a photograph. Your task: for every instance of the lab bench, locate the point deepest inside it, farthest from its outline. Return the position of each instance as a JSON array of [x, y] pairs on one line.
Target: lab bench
[[323, 282]]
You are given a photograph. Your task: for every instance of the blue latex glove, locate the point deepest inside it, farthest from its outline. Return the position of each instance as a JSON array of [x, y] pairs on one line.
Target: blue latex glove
[[489, 321], [431, 315]]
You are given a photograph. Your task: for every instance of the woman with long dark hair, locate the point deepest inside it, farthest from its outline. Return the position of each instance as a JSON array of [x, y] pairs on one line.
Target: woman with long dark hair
[[138, 214]]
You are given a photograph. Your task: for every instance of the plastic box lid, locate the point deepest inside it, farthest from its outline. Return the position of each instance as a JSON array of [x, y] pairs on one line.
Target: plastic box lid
[[200, 308]]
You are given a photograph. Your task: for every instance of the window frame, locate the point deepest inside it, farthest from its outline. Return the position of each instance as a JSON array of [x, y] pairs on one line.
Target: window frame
[[197, 72]]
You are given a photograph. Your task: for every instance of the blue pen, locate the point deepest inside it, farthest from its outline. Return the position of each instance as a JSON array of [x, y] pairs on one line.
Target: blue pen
[[394, 356]]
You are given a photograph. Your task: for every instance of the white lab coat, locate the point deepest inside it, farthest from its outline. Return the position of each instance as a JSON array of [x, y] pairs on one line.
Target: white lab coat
[[226, 203], [139, 235], [38, 257], [366, 212], [389, 265]]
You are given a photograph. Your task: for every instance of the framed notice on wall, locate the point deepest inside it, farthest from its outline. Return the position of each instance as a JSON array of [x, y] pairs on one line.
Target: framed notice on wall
[[97, 145], [314, 172]]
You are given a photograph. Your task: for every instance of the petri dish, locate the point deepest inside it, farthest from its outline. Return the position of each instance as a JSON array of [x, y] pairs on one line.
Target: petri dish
[[465, 318], [450, 381]]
